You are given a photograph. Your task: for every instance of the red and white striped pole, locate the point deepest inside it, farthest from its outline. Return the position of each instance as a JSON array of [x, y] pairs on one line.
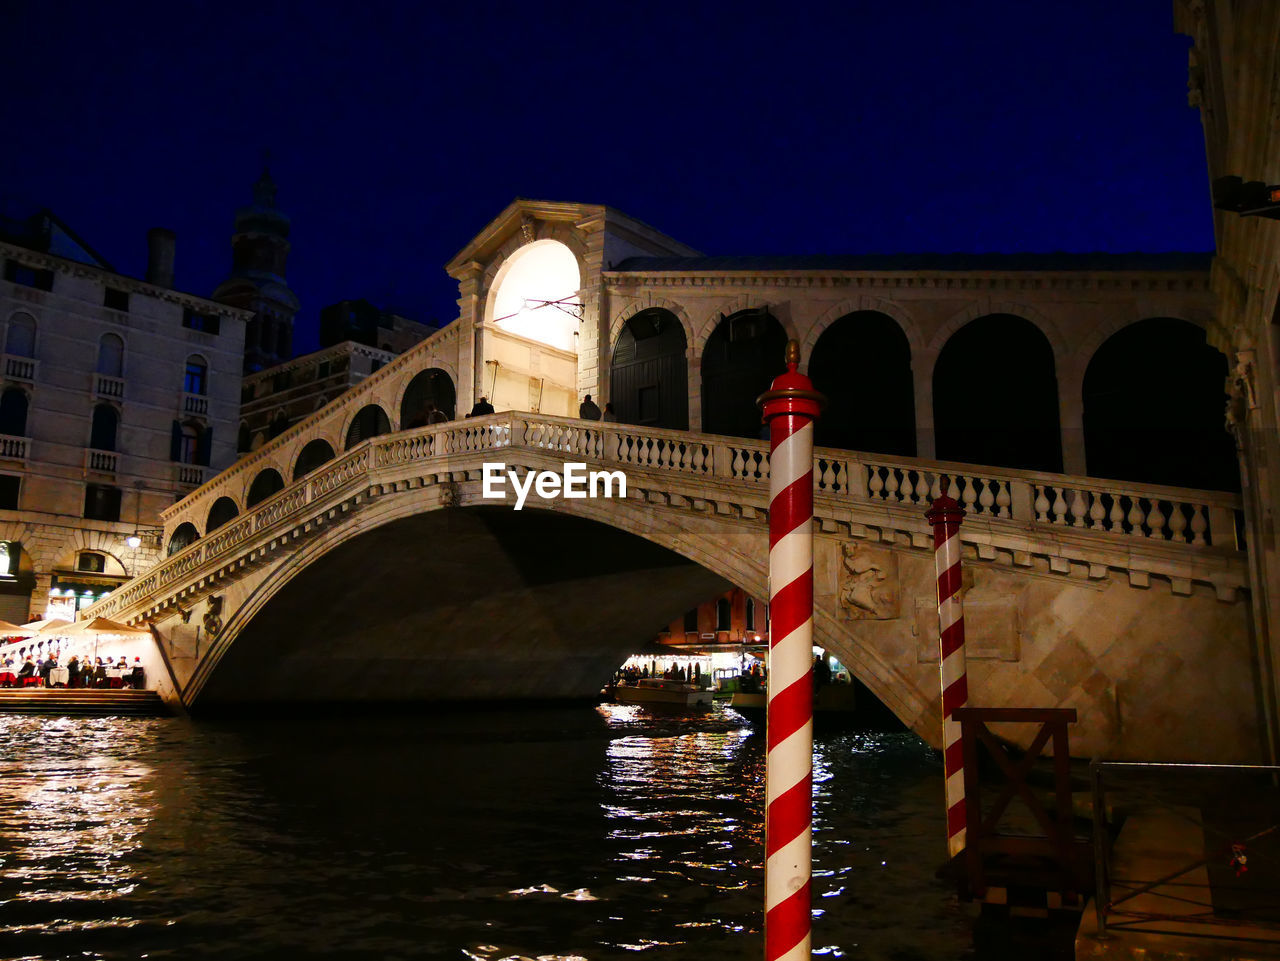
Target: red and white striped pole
[[945, 515], [790, 407]]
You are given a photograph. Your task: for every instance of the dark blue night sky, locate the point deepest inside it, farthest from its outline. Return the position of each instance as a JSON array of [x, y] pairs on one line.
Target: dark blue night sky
[[397, 133]]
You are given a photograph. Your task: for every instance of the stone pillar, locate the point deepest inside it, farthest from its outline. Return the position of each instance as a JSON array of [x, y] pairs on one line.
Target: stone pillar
[[1071, 419], [922, 364], [693, 357], [470, 336]]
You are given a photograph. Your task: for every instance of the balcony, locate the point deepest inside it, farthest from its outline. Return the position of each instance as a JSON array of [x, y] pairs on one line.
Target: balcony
[[101, 461], [22, 369], [107, 387], [189, 475], [13, 448], [196, 404]]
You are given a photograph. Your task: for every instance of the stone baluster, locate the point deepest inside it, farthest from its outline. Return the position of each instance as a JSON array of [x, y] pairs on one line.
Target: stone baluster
[[1155, 521], [875, 484], [1117, 515], [1041, 504], [969, 497], [1097, 512], [1199, 524], [891, 485], [1137, 516], [1177, 523], [987, 499], [1077, 508], [1059, 507]]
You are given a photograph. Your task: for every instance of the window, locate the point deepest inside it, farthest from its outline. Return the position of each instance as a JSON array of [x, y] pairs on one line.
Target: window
[[13, 413], [751, 614], [207, 323], [102, 435], [111, 355], [322, 370], [9, 486], [28, 276], [723, 614], [20, 341], [188, 444], [195, 379], [246, 393], [691, 620], [282, 380], [92, 562], [115, 299], [101, 503]]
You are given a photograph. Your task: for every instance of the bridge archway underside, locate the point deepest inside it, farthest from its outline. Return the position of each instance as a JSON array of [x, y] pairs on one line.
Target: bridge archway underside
[[1080, 592]]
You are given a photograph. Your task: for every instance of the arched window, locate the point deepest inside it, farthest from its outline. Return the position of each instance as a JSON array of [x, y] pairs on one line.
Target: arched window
[[279, 424], [430, 386], [13, 412], [742, 356], [370, 422], [751, 614], [195, 380], [102, 435], [91, 561], [263, 486], [20, 340], [315, 454], [724, 614], [862, 365], [1153, 401], [223, 510], [184, 535], [111, 355], [995, 396], [649, 373]]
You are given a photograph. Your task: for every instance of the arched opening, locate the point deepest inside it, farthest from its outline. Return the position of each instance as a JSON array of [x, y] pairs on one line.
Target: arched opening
[[13, 412], [429, 387], [20, 339], [316, 453], [995, 396], [223, 510], [649, 372], [742, 356], [184, 535], [111, 355], [264, 485], [371, 421], [535, 294], [1153, 408], [102, 433], [862, 364]]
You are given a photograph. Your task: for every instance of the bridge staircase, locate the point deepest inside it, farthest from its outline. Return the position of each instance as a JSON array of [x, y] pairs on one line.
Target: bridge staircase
[[82, 702]]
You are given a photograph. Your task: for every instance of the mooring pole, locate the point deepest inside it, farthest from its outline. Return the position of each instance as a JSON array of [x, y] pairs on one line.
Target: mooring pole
[[945, 515], [790, 407]]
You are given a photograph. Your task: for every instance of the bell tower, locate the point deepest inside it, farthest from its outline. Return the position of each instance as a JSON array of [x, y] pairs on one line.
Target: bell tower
[[259, 251]]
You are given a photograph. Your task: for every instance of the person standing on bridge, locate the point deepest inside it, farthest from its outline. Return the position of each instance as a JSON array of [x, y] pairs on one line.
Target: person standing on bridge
[[588, 410], [435, 415], [481, 408]]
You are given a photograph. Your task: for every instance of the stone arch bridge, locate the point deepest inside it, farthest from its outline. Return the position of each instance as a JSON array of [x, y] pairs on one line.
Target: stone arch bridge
[[383, 573]]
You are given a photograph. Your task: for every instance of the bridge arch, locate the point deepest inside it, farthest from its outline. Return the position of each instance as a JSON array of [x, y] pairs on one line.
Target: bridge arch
[[649, 303], [1153, 394], [429, 386], [900, 315], [995, 396], [267, 482], [739, 360], [369, 421], [224, 509], [649, 371], [313, 455], [862, 364], [740, 560]]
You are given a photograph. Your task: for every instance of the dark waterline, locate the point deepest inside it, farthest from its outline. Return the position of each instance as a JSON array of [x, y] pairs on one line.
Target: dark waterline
[[594, 833]]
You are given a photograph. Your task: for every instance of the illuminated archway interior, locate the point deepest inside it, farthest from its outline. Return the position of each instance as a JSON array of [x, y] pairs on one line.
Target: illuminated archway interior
[[537, 296]]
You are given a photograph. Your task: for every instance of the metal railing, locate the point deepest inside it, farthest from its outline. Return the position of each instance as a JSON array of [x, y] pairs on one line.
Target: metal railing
[[1185, 893]]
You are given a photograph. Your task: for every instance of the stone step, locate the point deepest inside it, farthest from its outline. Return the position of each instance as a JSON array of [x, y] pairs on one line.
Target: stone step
[[81, 703]]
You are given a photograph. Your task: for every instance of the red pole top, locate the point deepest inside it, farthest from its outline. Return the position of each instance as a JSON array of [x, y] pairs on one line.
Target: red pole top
[[791, 392], [945, 511]]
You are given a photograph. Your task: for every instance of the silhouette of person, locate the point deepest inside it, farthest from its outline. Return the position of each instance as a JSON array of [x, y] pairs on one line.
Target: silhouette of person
[[588, 410], [481, 408]]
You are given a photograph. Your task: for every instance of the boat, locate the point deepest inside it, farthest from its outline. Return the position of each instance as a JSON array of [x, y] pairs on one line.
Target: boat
[[828, 699], [650, 691]]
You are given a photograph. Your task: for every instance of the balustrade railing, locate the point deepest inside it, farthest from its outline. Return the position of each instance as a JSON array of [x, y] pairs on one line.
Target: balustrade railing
[[195, 404], [108, 387], [102, 461], [20, 368], [13, 448], [1029, 500]]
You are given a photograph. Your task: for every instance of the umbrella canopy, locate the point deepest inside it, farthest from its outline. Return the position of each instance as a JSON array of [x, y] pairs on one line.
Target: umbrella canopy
[[14, 630], [101, 627], [33, 628]]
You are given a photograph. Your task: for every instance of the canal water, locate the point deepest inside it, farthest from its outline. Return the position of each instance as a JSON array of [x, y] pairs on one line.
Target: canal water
[[593, 833]]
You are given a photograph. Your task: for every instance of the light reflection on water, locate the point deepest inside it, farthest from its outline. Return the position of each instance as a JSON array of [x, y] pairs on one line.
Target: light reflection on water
[[495, 836]]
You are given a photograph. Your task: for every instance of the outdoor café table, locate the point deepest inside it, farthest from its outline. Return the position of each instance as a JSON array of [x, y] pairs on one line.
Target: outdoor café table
[[114, 676], [59, 675], [8, 677]]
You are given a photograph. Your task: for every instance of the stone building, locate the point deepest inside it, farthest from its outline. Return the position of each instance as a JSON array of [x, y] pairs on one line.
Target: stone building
[[1235, 82], [117, 397]]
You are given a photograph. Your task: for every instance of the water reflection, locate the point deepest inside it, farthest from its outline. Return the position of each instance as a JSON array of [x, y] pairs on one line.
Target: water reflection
[[494, 836]]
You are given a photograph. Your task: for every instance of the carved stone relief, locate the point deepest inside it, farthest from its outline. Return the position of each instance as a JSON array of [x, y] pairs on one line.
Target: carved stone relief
[[868, 582]]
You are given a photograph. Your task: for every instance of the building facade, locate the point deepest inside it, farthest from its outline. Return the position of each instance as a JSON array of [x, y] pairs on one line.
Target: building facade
[[117, 397]]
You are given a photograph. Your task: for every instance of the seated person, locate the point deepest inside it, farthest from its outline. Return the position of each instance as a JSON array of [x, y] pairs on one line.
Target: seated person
[[28, 668], [137, 677], [100, 674]]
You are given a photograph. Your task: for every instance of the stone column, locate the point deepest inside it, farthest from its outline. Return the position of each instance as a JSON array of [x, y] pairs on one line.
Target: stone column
[[1071, 419], [693, 358], [922, 364], [470, 336]]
